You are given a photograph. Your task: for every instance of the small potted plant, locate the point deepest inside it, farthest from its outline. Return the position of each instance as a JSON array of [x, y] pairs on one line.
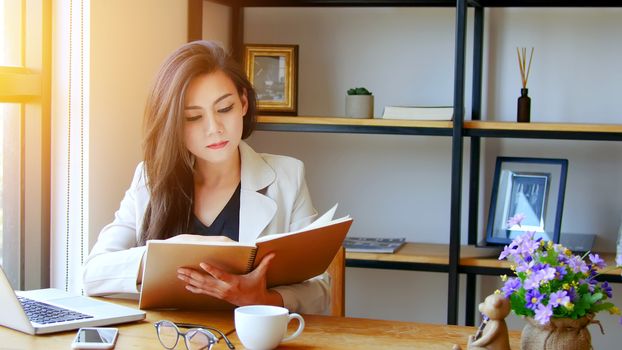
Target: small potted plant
[[359, 103]]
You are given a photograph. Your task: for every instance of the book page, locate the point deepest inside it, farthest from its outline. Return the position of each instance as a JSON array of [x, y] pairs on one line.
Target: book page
[[304, 254], [324, 220]]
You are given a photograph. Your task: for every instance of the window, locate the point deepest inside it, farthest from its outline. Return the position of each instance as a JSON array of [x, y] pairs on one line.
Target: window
[[10, 33], [25, 63], [9, 163]]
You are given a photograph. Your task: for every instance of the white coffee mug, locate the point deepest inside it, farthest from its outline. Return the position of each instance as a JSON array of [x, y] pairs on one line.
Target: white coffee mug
[[263, 327]]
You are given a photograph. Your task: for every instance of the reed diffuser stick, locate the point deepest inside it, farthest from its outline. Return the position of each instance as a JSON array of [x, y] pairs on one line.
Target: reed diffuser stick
[[522, 64]]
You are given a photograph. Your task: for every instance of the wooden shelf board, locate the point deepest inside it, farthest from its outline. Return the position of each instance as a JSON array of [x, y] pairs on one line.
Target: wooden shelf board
[[565, 127], [472, 256], [468, 124], [426, 253], [420, 3], [340, 3], [354, 122]]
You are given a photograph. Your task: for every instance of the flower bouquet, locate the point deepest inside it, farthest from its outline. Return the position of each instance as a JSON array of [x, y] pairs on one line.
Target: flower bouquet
[[551, 283]]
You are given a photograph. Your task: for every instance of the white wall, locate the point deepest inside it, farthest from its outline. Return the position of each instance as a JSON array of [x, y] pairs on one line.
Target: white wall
[[399, 185], [129, 41]]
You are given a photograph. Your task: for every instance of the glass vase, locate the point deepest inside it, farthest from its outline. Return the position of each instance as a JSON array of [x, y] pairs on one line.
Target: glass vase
[[558, 334], [524, 107]]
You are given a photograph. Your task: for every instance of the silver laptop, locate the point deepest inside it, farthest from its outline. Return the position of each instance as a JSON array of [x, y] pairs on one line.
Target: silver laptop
[[53, 310]]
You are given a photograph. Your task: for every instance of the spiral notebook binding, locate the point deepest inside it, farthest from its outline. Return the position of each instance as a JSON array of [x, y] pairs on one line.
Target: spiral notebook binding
[[251, 260]]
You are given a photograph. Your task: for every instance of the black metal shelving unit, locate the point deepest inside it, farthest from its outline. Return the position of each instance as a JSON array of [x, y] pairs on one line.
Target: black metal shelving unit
[[476, 134], [459, 130], [355, 129]]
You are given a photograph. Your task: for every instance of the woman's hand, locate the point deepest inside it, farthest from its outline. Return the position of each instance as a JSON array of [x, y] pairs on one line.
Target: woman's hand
[[240, 290]]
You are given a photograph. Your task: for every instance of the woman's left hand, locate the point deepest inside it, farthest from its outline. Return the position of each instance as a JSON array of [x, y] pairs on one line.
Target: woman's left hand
[[240, 290]]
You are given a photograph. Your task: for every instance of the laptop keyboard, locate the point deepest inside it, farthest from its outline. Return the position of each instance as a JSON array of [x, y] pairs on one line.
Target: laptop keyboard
[[43, 313]]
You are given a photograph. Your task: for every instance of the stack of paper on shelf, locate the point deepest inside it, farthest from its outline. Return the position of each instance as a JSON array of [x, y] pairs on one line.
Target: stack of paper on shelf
[[372, 245], [418, 112]]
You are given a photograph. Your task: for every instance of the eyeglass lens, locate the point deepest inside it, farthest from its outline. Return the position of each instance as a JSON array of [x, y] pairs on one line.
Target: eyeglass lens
[[168, 334], [195, 339], [198, 340]]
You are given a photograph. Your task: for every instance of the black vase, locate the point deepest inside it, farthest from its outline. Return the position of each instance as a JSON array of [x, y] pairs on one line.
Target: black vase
[[524, 107]]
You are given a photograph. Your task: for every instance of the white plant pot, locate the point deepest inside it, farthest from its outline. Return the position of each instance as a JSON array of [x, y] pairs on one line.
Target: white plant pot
[[360, 106]]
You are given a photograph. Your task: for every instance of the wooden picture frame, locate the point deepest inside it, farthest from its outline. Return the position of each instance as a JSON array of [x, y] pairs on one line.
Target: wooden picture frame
[[532, 187], [273, 72]]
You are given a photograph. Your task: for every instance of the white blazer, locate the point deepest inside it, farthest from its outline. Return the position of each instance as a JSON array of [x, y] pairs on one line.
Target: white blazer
[[274, 198]]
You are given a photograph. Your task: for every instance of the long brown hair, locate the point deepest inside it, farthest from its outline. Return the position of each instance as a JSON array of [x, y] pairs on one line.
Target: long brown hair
[[167, 163]]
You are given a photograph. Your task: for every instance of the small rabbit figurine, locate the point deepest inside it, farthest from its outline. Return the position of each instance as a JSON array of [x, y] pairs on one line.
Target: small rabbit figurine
[[494, 335]]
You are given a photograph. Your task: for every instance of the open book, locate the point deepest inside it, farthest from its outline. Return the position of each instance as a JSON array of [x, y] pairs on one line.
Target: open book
[[300, 255]]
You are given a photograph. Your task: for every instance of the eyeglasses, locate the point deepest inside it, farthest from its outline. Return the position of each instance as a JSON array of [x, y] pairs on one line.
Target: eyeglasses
[[196, 338]]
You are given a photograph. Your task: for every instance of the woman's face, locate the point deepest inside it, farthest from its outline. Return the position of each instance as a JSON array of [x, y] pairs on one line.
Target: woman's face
[[213, 118]]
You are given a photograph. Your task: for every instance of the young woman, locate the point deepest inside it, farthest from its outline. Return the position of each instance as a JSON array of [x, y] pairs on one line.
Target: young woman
[[199, 180]]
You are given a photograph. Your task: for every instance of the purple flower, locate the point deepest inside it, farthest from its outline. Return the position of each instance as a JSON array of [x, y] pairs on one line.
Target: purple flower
[[507, 250], [533, 281], [607, 289], [540, 273], [547, 273], [559, 298], [572, 294], [523, 266], [593, 273], [527, 245], [562, 258], [590, 284], [510, 286], [597, 261], [577, 264], [560, 272], [515, 220], [533, 299], [543, 314]]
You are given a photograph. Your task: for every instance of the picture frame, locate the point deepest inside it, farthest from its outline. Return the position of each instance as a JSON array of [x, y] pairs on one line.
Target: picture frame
[[273, 72], [532, 187]]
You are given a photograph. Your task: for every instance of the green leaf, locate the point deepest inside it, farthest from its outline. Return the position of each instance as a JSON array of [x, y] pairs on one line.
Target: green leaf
[[359, 91], [601, 307], [596, 297], [582, 304]]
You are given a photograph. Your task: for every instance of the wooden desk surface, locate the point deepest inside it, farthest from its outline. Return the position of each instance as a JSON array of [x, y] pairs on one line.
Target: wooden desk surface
[[321, 332], [335, 333], [134, 335]]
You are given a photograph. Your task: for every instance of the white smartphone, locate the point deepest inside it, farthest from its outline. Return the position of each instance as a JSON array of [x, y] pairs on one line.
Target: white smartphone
[[95, 338]]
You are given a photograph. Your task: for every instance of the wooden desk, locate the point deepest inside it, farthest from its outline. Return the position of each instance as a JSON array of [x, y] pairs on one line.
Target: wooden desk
[[321, 332]]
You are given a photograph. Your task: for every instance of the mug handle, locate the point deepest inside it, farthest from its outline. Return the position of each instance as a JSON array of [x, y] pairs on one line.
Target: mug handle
[[301, 326]]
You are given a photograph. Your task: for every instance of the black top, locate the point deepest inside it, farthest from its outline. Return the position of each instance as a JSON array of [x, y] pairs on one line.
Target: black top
[[227, 223]]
